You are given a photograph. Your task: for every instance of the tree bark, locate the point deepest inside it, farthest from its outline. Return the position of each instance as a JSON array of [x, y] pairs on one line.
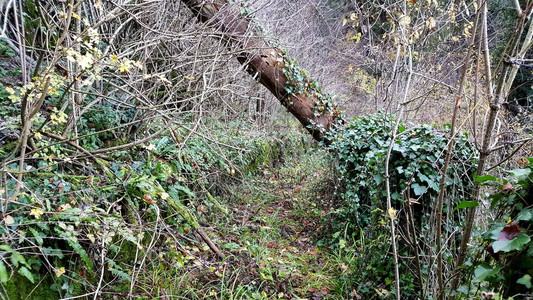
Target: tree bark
[[270, 66]]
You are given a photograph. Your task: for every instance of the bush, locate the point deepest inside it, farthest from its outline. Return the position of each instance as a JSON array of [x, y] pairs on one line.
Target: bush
[[417, 156]]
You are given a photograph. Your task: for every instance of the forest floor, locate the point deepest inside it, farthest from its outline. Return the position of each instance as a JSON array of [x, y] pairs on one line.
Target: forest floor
[[271, 232]]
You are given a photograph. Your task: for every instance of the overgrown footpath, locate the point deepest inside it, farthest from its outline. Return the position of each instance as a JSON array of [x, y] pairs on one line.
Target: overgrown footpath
[[275, 219], [266, 226]]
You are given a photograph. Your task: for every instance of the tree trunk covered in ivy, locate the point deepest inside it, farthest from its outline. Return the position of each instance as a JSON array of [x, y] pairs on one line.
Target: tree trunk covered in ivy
[[270, 65]]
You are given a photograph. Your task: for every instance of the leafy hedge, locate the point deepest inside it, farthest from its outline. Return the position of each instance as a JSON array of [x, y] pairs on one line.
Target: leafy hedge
[[359, 224], [417, 156]]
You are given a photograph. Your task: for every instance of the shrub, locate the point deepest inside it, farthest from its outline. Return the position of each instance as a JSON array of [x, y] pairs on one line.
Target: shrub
[[417, 156]]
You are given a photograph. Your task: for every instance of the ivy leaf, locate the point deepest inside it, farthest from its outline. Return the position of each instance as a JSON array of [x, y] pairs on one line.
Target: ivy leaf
[[378, 178], [465, 204], [517, 243], [484, 271], [525, 280], [418, 189]]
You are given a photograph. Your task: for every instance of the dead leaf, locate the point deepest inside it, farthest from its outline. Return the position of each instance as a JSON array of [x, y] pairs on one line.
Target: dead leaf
[[9, 220], [60, 186], [202, 208], [148, 199], [63, 207], [413, 201], [508, 187], [356, 295], [509, 232], [343, 267], [522, 161], [311, 252]]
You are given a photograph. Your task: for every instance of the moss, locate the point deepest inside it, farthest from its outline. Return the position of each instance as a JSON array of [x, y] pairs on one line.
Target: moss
[[21, 288]]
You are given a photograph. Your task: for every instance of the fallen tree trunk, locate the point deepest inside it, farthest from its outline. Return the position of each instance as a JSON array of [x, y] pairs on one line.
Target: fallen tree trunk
[[270, 65]]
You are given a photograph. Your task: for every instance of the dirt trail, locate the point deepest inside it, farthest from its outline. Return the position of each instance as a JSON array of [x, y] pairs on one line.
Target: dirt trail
[[278, 220]]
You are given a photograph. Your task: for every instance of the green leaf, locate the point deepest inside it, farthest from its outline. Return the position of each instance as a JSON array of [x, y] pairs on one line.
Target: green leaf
[[26, 273], [465, 204], [342, 243], [525, 280], [123, 275], [520, 173], [418, 189], [517, 243], [494, 231], [525, 215], [484, 271], [16, 258], [378, 178], [4, 276], [38, 236], [485, 178], [6, 248], [232, 246]]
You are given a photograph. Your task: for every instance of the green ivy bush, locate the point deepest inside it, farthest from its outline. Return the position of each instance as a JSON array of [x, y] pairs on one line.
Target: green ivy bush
[[417, 156], [416, 160]]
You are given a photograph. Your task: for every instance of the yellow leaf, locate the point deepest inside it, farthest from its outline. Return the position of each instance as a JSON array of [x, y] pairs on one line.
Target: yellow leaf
[[60, 271], [90, 236], [189, 77], [165, 196], [392, 213], [125, 66], [75, 15], [37, 213], [10, 90], [467, 31], [98, 4], [58, 117]]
